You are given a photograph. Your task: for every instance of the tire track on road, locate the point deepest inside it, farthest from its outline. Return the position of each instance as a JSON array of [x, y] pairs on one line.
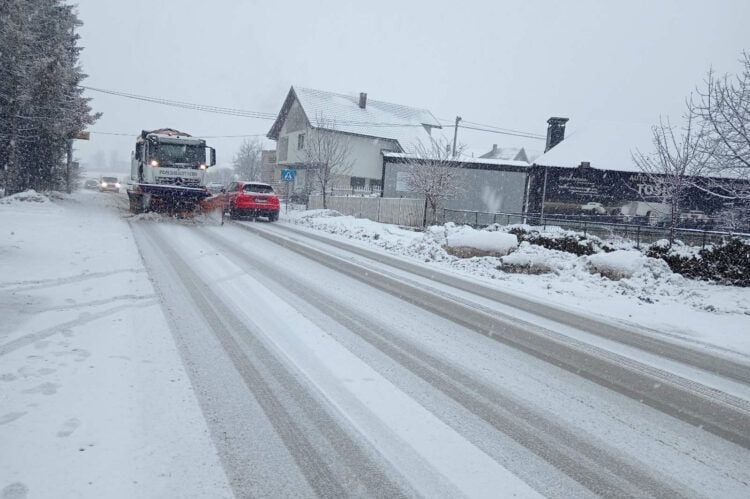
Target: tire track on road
[[593, 464], [691, 402], [333, 463]]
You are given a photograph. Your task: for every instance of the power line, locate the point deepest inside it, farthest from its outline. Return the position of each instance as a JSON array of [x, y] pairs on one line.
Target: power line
[[244, 113], [494, 129], [186, 105], [501, 129], [526, 136], [233, 111], [126, 134]]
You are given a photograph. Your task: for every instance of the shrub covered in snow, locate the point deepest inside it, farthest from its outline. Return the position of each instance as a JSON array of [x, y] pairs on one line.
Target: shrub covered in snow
[[727, 263], [568, 241]]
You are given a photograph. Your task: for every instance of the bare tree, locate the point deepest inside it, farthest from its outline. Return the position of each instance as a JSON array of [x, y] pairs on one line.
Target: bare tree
[[433, 172], [221, 175], [247, 162], [327, 154], [723, 108], [671, 167]]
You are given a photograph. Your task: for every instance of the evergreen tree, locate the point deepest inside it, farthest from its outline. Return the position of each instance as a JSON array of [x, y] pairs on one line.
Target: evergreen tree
[[41, 103]]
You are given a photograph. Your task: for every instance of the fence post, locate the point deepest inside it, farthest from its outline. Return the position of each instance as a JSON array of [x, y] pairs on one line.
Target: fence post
[[638, 237], [379, 203], [508, 223], [443, 216], [398, 220], [585, 228], [476, 219], [703, 244]]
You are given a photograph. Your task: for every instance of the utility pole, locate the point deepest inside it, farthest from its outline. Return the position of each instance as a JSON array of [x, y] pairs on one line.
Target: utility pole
[[455, 135], [68, 164]]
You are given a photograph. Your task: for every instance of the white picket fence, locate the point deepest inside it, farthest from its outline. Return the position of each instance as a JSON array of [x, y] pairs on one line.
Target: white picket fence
[[399, 211]]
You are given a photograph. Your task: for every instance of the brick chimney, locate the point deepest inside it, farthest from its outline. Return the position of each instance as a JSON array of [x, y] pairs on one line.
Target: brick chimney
[[362, 100], [555, 132]]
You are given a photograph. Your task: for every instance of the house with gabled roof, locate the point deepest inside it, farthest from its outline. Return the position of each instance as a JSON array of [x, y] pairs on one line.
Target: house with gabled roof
[[371, 128], [506, 153]]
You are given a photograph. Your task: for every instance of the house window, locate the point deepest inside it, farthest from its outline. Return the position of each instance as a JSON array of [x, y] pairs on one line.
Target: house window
[[375, 185], [301, 141], [357, 182]]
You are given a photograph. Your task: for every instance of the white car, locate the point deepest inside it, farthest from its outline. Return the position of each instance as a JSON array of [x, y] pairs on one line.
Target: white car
[[594, 207]]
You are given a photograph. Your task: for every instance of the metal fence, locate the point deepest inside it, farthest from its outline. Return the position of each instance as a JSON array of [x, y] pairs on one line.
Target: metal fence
[[640, 233], [399, 211]]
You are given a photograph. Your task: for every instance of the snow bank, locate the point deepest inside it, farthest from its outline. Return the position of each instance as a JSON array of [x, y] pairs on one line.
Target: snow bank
[[618, 264], [29, 196], [497, 243]]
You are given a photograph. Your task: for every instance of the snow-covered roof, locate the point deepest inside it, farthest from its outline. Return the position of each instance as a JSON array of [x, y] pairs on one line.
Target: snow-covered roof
[[405, 124], [462, 159], [605, 145], [508, 153]]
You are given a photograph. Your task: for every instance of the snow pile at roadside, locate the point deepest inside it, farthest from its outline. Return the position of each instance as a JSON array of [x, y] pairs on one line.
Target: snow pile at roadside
[[533, 259], [619, 264], [636, 280], [492, 242], [29, 196]]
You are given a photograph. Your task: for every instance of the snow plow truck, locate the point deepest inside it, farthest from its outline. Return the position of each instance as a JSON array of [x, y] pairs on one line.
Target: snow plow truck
[[168, 172]]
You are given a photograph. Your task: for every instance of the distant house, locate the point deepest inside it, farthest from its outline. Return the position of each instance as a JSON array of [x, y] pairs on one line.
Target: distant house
[[370, 126], [506, 153]]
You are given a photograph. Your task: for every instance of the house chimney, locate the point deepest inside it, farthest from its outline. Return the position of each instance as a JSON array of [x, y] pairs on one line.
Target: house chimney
[[362, 100], [494, 148], [555, 132]]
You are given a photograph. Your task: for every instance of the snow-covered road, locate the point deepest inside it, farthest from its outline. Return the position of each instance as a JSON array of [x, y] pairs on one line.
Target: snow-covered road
[[373, 384], [143, 356]]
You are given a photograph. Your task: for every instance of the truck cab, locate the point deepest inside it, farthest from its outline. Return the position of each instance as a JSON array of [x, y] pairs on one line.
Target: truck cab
[[168, 169]]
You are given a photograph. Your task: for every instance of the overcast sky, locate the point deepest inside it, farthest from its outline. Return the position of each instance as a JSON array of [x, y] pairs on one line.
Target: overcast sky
[[511, 64]]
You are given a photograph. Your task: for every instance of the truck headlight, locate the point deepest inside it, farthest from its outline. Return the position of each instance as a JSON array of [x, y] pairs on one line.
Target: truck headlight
[[154, 162], [202, 167], [117, 184]]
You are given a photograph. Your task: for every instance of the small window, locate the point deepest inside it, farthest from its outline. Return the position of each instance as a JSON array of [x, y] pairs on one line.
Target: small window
[[301, 141], [357, 182]]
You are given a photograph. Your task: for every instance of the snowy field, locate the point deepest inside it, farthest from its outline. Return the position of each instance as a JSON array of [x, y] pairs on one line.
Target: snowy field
[[94, 400], [641, 291]]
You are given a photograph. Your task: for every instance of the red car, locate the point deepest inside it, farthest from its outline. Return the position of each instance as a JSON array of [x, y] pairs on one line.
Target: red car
[[252, 199]]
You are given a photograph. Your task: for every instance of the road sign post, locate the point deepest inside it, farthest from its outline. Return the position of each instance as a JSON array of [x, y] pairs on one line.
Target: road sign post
[[287, 176]]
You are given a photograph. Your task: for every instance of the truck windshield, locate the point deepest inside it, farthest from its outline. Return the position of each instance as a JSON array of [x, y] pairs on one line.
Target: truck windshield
[[172, 154]]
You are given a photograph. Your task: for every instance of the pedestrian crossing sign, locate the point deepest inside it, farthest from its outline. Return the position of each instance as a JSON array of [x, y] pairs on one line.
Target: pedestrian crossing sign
[[288, 175]]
